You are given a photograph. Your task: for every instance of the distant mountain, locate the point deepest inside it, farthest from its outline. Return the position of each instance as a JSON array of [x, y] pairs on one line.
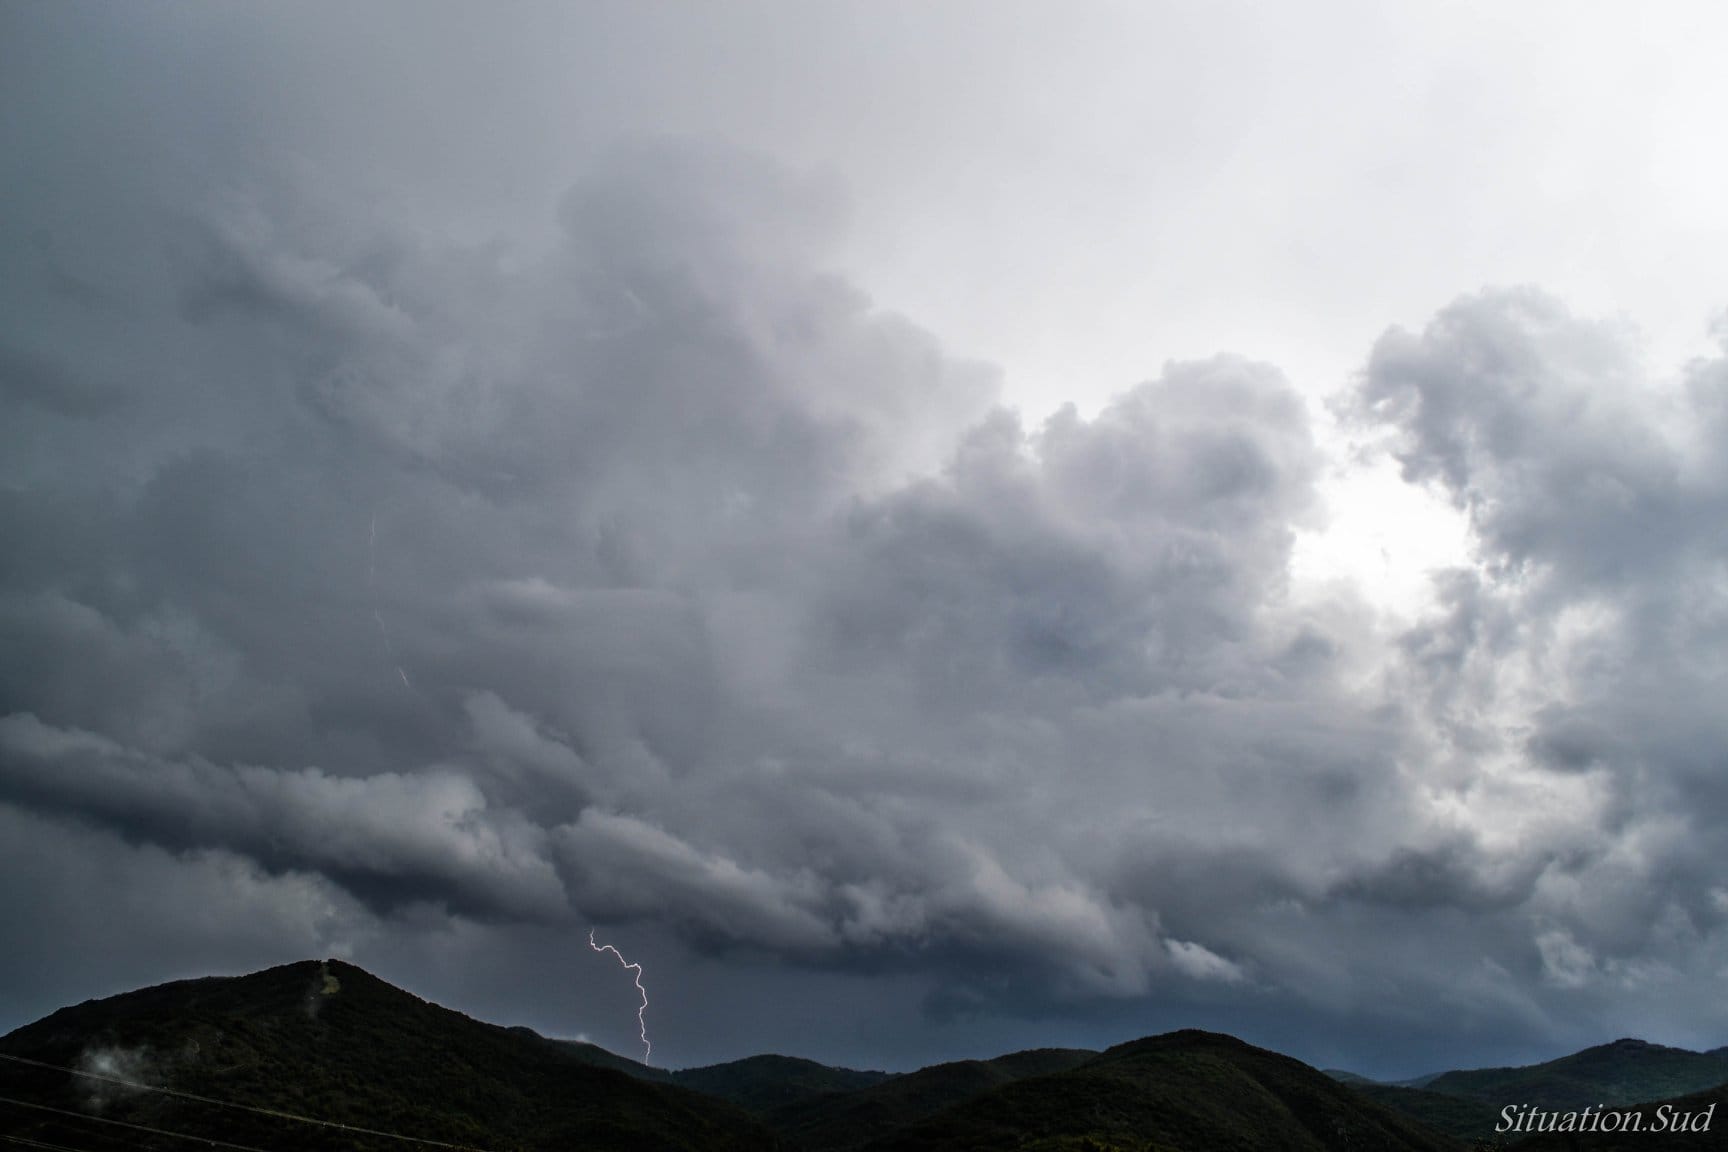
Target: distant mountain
[[249, 1059], [834, 1123], [1184, 1091], [330, 1041], [1041, 1061], [755, 1083], [1418, 1081], [759, 1083], [1624, 1072]]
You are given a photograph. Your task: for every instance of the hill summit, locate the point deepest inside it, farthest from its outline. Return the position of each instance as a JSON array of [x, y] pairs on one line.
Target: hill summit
[[327, 1041]]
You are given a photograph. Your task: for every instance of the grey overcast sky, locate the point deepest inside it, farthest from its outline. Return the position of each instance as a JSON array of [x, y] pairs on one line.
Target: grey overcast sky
[[935, 528]]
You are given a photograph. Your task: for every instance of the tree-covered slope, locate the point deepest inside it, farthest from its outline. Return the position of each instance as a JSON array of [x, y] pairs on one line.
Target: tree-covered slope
[[1460, 1116], [835, 1123], [1624, 1072], [330, 1041], [760, 1083], [1183, 1092]]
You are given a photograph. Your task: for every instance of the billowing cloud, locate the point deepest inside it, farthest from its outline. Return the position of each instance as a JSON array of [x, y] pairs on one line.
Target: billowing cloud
[[672, 603], [1567, 680], [645, 572]]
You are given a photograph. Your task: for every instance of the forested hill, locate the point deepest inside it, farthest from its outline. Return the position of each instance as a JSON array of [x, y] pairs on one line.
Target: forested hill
[[322, 1055], [329, 1041]]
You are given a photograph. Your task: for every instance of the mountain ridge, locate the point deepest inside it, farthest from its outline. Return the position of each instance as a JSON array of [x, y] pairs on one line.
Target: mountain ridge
[[328, 1041]]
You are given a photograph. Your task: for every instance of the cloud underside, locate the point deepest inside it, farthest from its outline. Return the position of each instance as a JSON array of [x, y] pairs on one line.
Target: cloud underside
[[659, 577]]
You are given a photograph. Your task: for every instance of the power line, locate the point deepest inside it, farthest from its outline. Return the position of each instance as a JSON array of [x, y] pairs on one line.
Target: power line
[[30, 1143], [108, 1140], [126, 1124], [243, 1107], [105, 1141]]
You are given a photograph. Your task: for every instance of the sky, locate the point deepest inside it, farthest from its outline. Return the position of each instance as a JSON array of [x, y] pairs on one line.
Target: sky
[[934, 529]]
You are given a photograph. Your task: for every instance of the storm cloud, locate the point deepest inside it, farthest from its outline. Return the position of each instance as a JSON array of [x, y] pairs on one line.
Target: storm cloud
[[396, 593]]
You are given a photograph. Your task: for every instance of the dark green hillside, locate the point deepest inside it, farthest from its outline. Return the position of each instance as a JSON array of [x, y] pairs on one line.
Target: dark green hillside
[[1041, 1061], [1418, 1081], [329, 1041], [759, 1083], [755, 1083], [1183, 1092], [856, 1118], [1468, 1103], [1458, 1116], [333, 1042], [1624, 1072], [601, 1058]]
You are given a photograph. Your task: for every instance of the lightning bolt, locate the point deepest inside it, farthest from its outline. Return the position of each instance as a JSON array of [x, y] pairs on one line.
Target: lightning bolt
[[641, 1022]]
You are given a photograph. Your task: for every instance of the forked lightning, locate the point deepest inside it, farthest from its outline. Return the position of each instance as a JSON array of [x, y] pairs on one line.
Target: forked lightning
[[641, 1021]]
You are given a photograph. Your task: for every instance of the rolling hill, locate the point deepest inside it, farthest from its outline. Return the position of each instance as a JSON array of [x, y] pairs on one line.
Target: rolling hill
[[1468, 1103], [1185, 1090], [1461, 1116], [758, 1083], [852, 1120], [1624, 1072], [249, 1059], [332, 1042]]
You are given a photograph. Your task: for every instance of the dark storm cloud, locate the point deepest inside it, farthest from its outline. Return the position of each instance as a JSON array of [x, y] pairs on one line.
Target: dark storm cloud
[[659, 576], [432, 827], [658, 579], [1117, 557], [413, 593]]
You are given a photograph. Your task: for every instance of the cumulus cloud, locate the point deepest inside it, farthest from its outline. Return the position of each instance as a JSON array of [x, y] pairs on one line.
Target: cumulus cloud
[[948, 629], [1571, 671], [733, 608]]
